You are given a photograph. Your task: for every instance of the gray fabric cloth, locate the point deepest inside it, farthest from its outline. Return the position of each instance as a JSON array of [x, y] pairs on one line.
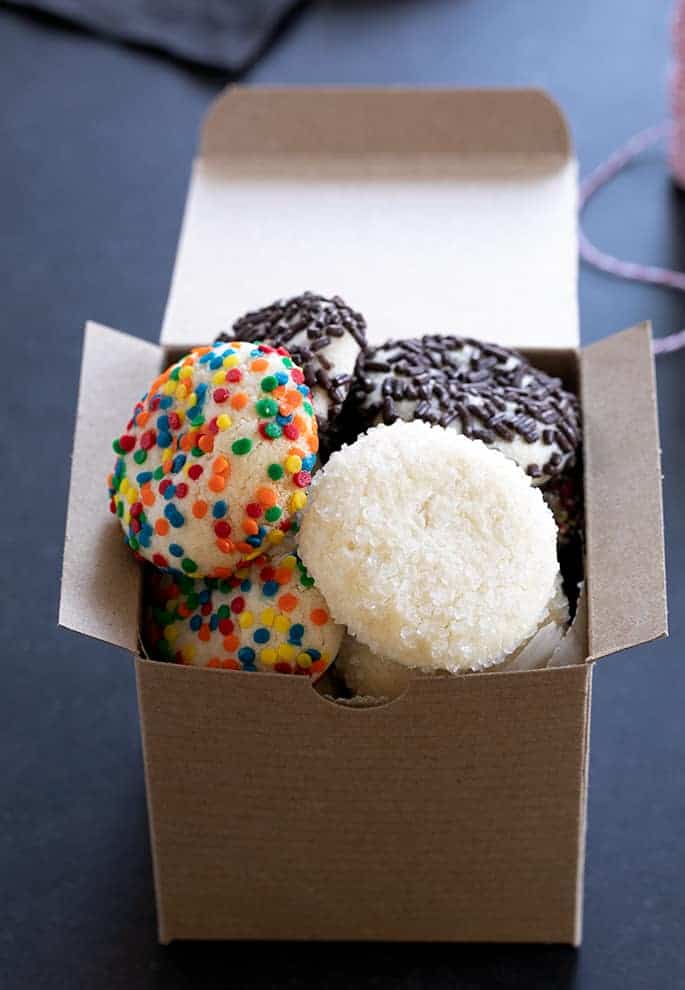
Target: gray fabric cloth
[[224, 34]]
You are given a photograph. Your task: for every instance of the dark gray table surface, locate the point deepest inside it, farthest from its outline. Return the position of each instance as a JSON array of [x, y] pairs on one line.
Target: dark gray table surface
[[96, 142]]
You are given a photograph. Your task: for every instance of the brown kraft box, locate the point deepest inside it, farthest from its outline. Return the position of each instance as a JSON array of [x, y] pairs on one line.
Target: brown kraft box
[[458, 811]]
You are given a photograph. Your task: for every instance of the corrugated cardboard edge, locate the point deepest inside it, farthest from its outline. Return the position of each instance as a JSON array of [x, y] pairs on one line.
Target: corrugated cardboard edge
[[624, 519], [100, 590], [163, 936], [582, 815]]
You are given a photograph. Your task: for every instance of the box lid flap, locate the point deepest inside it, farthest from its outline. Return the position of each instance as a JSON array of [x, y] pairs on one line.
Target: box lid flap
[[428, 210], [100, 591], [624, 524]]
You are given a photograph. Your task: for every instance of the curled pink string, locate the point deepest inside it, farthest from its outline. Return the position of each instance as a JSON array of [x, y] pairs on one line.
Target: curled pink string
[[634, 271]]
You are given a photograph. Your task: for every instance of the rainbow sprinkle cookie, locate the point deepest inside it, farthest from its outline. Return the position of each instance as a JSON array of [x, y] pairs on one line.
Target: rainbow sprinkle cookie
[[216, 459], [267, 617]]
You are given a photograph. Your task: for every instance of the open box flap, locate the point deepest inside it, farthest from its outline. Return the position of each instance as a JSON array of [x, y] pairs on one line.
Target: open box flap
[[100, 590], [625, 537], [449, 210]]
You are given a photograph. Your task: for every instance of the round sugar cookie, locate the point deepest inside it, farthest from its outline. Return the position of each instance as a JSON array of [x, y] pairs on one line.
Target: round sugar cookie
[[537, 651], [324, 337], [433, 549], [268, 616], [216, 459], [482, 390], [367, 675]]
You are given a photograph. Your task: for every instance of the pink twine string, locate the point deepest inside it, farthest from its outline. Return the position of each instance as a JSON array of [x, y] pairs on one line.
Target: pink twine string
[[633, 271]]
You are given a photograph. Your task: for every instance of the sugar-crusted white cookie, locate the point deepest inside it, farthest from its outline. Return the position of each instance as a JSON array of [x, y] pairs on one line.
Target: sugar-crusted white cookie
[[433, 549]]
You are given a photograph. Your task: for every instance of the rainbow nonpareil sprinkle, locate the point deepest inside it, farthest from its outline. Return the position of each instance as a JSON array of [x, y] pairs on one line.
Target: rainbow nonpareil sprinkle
[[267, 616]]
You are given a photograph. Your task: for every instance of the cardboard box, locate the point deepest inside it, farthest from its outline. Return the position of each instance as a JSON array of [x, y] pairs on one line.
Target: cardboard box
[[456, 812]]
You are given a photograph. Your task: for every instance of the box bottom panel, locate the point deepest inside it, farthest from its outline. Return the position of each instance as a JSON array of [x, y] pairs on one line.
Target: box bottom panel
[[456, 813]]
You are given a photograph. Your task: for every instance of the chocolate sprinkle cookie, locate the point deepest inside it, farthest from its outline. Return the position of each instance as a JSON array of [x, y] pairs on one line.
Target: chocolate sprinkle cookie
[[324, 337], [484, 391]]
